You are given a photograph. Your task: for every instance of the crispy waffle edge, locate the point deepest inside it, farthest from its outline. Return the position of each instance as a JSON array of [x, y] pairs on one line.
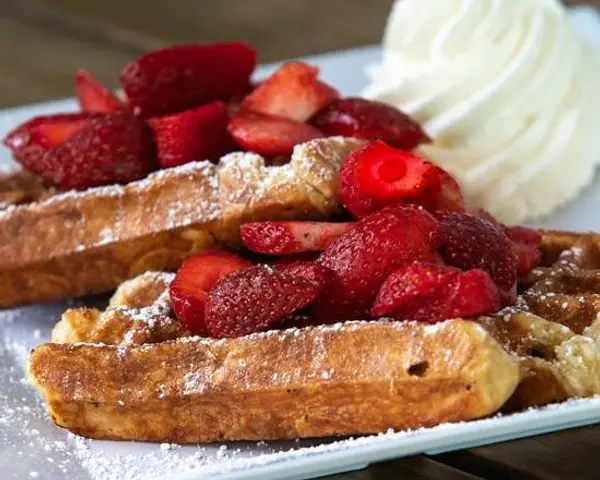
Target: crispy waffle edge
[[352, 378], [87, 242]]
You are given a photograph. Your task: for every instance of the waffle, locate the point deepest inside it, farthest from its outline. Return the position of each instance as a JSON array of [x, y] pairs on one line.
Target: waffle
[[555, 329], [86, 242], [20, 187], [136, 374]]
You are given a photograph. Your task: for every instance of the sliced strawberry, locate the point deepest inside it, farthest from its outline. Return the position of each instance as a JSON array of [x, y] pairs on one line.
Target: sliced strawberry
[[471, 242], [388, 174], [444, 195], [110, 148], [365, 256], [297, 257], [282, 238], [93, 96], [526, 242], [360, 118], [198, 134], [196, 277], [178, 78], [357, 204], [269, 135], [256, 298], [30, 141], [292, 92], [432, 292], [377, 175], [309, 270]]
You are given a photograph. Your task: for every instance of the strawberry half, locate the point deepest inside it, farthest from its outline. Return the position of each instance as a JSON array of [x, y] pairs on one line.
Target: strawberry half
[[282, 238], [256, 298], [93, 96], [445, 194], [365, 256], [292, 92], [471, 242], [194, 280], [526, 243], [30, 141], [178, 78], [432, 292], [198, 134], [269, 135], [110, 148], [388, 174], [361, 118], [377, 175]]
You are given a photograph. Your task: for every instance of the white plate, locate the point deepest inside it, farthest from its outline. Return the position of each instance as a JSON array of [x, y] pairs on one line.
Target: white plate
[[30, 446]]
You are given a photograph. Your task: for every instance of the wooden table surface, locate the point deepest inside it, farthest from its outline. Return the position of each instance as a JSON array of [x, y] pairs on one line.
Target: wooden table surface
[[42, 42]]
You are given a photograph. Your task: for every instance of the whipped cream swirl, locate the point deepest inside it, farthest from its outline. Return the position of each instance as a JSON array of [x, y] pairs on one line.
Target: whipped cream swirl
[[508, 91]]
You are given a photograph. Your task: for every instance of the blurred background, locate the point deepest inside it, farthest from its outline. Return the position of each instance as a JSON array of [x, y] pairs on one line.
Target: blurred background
[[43, 42]]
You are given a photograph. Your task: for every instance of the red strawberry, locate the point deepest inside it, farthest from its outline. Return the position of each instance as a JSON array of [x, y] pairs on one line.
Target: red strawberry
[[198, 134], [93, 96], [293, 92], [444, 195], [357, 204], [281, 238], [470, 241], [309, 270], [30, 141], [297, 257], [185, 76], [194, 280], [377, 175], [256, 298], [111, 148], [365, 256], [432, 292], [269, 135], [360, 118], [526, 242]]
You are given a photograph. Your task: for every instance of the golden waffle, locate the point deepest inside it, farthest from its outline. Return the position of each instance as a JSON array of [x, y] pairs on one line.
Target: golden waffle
[[77, 243], [139, 376], [21, 187], [554, 329]]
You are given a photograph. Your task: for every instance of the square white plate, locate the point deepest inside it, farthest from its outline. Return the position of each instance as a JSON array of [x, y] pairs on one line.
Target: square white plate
[[31, 447]]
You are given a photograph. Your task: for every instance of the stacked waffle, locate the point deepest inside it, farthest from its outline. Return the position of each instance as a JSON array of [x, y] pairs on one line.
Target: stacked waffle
[[133, 372]]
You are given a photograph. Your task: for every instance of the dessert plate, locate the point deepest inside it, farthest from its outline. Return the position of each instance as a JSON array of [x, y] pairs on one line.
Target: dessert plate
[[31, 447]]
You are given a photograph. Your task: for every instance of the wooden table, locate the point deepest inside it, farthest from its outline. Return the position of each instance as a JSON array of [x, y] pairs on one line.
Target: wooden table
[[42, 42]]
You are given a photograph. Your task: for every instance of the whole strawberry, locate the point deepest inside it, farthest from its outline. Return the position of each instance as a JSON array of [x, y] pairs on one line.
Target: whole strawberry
[[365, 256], [433, 292], [472, 242], [256, 298], [110, 148]]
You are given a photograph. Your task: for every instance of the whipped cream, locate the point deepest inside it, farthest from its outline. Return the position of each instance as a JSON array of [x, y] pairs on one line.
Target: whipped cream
[[507, 90]]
